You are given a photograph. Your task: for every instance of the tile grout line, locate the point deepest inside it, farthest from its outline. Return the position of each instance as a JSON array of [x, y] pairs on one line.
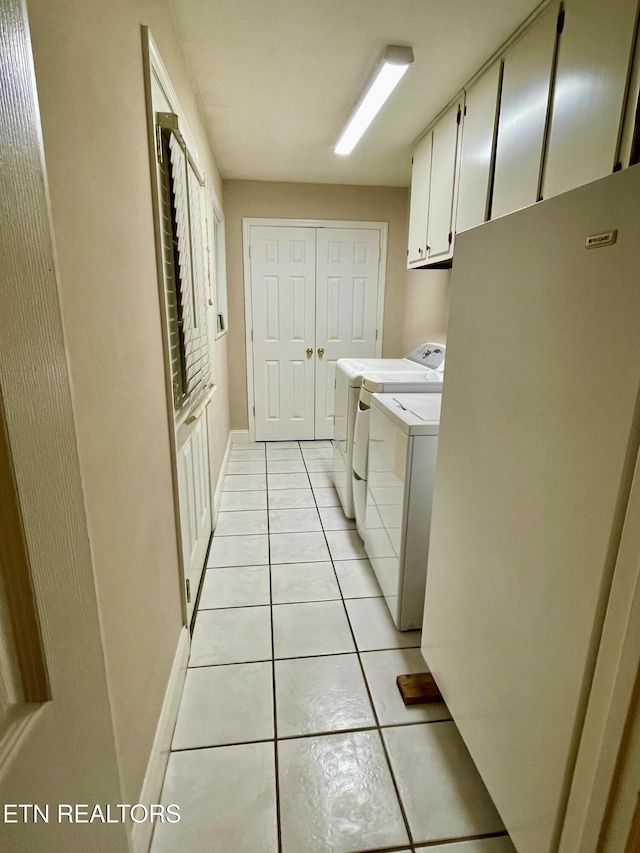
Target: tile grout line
[[379, 728], [191, 628], [302, 657], [285, 603], [442, 842], [308, 735], [373, 708], [273, 677], [371, 702], [272, 662], [393, 849], [461, 839]]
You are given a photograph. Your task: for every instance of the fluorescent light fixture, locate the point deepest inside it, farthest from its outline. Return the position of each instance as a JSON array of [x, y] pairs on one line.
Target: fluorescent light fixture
[[388, 74]]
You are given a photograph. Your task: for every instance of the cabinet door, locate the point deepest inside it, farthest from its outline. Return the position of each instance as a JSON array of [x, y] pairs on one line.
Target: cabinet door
[[523, 115], [419, 209], [593, 64], [194, 492], [478, 147], [628, 151], [443, 174]]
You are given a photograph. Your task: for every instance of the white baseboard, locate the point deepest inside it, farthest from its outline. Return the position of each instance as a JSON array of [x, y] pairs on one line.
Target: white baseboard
[[156, 768], [236, 436]]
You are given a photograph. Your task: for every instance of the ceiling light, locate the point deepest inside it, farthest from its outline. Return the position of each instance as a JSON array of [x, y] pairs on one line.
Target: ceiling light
[[394, 63]]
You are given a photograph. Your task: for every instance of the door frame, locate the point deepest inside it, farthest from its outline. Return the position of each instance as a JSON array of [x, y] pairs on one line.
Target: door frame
[[247, 224], [610, 694], [67, 723]]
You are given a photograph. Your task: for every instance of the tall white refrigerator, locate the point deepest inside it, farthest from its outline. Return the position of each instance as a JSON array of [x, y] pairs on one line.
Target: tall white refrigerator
[[534, 466]]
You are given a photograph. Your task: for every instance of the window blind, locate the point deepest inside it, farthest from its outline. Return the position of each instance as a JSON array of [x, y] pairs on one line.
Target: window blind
[[185, 267]]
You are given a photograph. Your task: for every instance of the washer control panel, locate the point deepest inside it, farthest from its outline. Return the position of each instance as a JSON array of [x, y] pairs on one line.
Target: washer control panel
[[430, 355]]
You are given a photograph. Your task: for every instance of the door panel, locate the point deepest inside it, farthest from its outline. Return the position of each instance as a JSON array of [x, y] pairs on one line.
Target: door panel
[[588, 100], [195, 501], [348, 261], [419, 211], [481, 104], [283, 311], [57, 742], [443, 170], [191, 445], [523, 113]]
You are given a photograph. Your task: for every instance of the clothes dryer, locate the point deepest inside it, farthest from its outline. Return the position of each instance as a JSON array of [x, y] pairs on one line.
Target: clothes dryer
[[403, 442], [379, 383]]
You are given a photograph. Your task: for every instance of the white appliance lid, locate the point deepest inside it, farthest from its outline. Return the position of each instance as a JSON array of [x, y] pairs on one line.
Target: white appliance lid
[[355, 367], [415, 414], [402, 381], [430, 355]]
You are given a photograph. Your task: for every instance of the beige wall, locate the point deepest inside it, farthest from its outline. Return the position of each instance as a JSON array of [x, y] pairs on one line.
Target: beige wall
[[309, 201], [88, 60], [426, 308]]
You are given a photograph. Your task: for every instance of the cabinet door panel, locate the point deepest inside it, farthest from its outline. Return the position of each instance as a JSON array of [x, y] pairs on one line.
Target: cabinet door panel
[[194, 492], [478, 139], [588, 100], [523, 114], [443, 172], [419, 209], [628, 153]]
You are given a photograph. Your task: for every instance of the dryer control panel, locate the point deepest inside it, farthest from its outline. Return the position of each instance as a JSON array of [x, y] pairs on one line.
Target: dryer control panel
[[429, 355]]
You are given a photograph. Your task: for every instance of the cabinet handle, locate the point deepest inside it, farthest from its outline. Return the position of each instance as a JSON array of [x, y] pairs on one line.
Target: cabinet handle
[[320, 351], [309, 351]]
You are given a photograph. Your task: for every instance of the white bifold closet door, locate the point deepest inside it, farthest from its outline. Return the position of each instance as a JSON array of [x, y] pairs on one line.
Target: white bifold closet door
[[283, 292], [314, 299], [346, 308]]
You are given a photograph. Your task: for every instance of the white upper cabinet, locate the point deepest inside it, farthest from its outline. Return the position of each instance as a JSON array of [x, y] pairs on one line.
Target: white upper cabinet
[[478, 148], [556, 109], [443, 176], [523, 115], [419, 209], [588, 102]]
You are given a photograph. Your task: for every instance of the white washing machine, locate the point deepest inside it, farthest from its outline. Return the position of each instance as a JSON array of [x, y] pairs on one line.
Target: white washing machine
[[427, 358], [429, 381], [403, 441]]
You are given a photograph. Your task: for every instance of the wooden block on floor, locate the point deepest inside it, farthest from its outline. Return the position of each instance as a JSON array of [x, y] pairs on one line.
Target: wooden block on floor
[[418, 688]]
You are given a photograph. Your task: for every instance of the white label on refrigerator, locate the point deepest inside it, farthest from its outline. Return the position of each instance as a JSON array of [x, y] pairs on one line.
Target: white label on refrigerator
[[597, 240]]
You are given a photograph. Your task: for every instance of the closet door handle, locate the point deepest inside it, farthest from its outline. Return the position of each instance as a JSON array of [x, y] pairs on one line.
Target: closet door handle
[[320, 351], [309, 351]]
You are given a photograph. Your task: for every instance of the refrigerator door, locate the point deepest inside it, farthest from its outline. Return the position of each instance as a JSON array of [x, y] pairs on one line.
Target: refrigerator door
[[534, 465]]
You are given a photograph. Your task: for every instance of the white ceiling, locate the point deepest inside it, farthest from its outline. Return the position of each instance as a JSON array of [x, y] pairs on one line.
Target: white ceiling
[[277, 79]]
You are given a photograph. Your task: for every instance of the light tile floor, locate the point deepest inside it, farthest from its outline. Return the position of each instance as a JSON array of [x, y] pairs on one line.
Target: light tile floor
[[291, 735]]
